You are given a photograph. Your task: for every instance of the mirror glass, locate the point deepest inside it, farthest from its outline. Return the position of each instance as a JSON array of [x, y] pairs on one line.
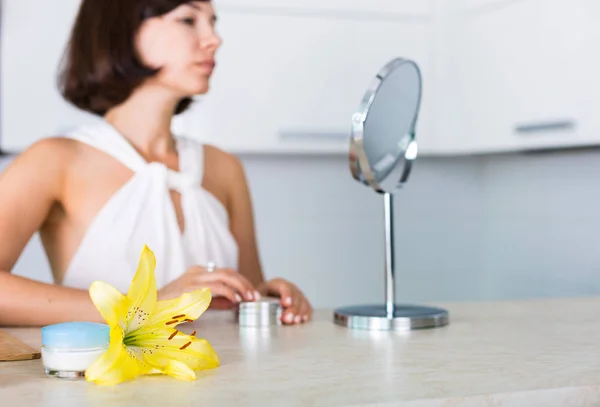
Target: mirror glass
[[383, 145]]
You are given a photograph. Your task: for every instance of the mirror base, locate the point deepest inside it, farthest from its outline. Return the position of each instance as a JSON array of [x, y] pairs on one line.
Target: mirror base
[[405, 318]]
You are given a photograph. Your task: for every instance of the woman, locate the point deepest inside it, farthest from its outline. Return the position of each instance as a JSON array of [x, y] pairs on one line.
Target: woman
[[98, 194]]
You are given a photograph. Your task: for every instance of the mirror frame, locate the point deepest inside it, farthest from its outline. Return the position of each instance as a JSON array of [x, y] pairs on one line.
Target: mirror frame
[[359, 163]]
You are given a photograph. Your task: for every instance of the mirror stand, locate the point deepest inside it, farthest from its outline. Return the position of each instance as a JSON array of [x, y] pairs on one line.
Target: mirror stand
[[390, 282], [382, 151], [390, 316]]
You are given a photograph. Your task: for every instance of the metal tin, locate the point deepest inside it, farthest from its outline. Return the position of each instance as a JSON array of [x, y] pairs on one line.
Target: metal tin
[[262, 313]]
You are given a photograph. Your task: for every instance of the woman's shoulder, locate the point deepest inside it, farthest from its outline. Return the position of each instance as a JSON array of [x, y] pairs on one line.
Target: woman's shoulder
[[41, 168], [52, 159], [223, 174], [47, 154], [226, 165], [211, 153]]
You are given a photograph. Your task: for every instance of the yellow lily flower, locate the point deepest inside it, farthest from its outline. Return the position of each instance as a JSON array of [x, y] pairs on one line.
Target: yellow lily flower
[[143, 331]]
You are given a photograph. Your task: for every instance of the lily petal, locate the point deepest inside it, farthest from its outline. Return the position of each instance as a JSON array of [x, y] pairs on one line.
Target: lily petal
[[110, 302], [187, 308], [180, 370], [197, 354], [118, 363], [142, 292]]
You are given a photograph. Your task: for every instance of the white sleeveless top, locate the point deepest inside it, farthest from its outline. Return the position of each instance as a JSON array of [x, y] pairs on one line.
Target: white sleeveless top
[[142, 212]]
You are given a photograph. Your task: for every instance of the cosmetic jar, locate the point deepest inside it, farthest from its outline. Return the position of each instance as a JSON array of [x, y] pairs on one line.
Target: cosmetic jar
[[262, 313], [69, 348]]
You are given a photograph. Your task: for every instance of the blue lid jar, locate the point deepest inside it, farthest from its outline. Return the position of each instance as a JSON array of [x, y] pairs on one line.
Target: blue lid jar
[[75, 335]]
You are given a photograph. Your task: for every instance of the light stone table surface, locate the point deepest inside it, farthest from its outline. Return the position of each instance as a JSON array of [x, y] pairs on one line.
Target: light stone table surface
[[527, 353]]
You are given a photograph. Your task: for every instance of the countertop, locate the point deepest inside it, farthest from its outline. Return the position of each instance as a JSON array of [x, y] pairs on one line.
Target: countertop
[[524, 353]]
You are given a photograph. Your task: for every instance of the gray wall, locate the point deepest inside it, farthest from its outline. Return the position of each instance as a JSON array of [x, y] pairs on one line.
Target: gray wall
[[468, 228]]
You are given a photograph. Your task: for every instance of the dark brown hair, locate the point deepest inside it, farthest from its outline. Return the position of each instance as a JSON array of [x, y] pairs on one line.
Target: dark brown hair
[[101, 68]]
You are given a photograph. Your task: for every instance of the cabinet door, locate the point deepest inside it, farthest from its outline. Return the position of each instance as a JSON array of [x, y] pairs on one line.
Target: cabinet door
[[588, 71], [406, 7], [32, 45], [480, 5], [292, 83], [519, 68]]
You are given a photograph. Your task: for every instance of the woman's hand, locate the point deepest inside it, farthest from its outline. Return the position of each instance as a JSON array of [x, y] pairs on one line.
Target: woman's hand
[[226, 286], [296, 308]]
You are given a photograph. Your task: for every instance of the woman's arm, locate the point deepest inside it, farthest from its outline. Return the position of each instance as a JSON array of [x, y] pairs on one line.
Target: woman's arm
[[29, 187], [25, 302], [242, 223], [297, 308]]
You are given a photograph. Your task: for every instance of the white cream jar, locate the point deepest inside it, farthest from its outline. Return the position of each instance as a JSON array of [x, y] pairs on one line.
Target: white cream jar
[[68, 349]]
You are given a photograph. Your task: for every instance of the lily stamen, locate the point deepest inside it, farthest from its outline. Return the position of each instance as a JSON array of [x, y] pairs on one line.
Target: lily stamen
[[185, 346], [173, 335]]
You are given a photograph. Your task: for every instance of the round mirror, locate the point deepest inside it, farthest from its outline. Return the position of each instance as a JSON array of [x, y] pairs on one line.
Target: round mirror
[[383, 146], [382, 152]]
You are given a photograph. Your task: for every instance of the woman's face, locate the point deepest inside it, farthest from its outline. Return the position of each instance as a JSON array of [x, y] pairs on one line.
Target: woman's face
[[183, 44]]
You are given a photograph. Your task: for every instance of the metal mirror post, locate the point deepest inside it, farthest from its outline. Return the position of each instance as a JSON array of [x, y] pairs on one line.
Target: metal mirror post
[[382, 151]]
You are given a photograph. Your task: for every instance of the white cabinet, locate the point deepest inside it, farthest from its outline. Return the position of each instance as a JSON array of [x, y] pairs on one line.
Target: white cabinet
[[524, 76], [479, 5], [290, 83], [31, 46], [289, 76], [404, 7], [498, 75]]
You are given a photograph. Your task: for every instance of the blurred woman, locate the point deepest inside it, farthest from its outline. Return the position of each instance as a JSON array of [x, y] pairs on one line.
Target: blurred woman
[[99, 193]]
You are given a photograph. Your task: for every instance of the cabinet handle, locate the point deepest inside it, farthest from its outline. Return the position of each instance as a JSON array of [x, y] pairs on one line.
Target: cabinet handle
[[545, 126], [314, 135]]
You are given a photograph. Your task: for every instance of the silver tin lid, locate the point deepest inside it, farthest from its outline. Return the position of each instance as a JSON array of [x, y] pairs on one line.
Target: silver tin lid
[[264, 312]]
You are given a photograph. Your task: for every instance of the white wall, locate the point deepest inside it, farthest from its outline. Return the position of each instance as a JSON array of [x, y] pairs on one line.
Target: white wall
[[468, 228]]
